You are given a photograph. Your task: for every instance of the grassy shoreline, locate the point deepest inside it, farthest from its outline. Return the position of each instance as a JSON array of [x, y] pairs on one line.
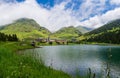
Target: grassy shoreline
[[13, 65]]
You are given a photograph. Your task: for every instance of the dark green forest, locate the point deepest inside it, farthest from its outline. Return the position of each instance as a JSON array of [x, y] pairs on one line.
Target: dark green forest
[[10, 37], [109, 33], [107, 37]]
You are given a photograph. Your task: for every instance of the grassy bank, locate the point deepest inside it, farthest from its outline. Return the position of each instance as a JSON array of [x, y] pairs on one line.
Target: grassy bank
[[13, 65]]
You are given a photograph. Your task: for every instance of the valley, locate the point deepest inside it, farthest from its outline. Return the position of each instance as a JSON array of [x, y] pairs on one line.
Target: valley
[[21, 35]]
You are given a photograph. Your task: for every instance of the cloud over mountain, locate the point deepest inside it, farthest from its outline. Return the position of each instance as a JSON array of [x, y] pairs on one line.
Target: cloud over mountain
[[89, 13]]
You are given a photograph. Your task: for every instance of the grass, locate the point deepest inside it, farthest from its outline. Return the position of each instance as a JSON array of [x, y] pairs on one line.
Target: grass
[[13, 65]]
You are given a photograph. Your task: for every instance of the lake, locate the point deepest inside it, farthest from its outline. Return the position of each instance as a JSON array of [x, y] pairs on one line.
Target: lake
[[77, 59]]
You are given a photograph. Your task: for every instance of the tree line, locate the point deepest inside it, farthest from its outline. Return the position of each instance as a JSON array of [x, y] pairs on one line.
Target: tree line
[[109, 33], [9, 37], [109, 26], [107, 37]]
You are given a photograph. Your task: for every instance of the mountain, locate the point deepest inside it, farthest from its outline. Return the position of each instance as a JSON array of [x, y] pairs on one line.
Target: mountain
[[25, 28], [83, 29], [67, 33], [108, 33], [109, 26]]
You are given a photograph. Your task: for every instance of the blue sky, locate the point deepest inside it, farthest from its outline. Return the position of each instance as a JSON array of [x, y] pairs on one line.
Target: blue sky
[[77, 3], [55, 14], [48, 4]]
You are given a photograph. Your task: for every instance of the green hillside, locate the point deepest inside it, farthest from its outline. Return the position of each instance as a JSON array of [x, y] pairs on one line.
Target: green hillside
[[25, 28], [109, 33], [67, 33], [109, 26], [83, 29]]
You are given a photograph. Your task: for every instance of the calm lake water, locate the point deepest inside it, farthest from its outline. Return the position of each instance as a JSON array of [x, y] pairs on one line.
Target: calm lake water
[[74, 59]]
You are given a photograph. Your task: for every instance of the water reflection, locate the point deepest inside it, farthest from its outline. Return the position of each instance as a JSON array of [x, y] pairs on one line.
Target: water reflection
[[80, 57]]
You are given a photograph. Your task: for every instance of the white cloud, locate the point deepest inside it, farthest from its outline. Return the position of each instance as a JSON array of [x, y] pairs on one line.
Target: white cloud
[[89, 7], [100, 20], [52, 19], [56, 17], [116, 2]]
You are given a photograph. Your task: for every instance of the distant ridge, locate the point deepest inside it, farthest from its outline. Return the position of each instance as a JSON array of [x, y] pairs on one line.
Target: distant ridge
[[83, 29]]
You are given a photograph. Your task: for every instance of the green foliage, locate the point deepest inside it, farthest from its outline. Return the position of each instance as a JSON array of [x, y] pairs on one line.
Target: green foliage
[[25, 28], [5, 37], [107, 37]]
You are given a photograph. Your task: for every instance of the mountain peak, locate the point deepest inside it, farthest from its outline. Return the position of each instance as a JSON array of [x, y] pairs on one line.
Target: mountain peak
[[24, 20], [25, 28], [67, 33]]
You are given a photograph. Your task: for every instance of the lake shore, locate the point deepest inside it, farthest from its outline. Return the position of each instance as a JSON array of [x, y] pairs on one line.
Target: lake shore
[[84, 43], [13, 65], [96, 43]]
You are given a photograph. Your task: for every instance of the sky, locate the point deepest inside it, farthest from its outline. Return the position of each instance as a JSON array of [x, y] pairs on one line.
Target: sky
[[55, 14]]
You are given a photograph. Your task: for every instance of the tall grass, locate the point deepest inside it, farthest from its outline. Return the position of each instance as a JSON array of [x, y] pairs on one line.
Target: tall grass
[[13, 65]]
